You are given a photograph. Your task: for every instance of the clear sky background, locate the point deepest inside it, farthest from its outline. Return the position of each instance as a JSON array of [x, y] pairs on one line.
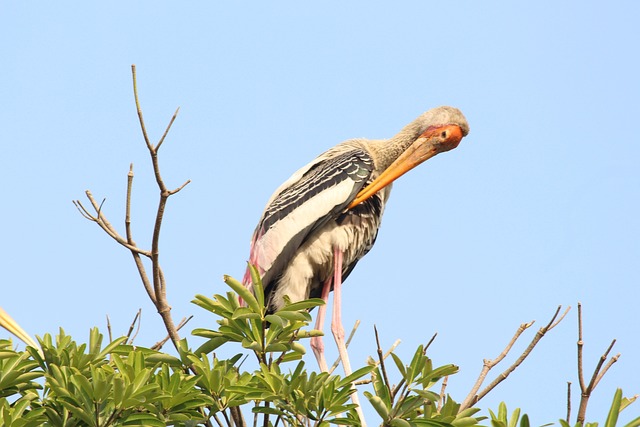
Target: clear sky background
[[537, 207]]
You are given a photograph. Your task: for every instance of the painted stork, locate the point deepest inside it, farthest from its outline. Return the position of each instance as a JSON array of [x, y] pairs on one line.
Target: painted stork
[[325, 218]]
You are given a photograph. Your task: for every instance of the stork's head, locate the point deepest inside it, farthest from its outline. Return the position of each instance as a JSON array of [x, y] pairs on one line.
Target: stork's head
[[440, 129], [442, 116]]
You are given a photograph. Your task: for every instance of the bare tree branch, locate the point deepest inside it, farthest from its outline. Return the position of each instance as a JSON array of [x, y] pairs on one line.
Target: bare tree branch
[[136, 320], [156, 287], [237, 416], [383, 368], [103, 223], [598, 372], [472, 398], [109, 329], [157, 346], [433, 338], [371, 361], [580, 345], [138, 109], [568, 402], [159, 289], [402, 385], [445, 381], [161, 303], [166, 131], [144, 278]]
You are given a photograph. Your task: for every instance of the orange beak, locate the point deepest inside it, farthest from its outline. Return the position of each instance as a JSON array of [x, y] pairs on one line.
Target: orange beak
[[431, 142]]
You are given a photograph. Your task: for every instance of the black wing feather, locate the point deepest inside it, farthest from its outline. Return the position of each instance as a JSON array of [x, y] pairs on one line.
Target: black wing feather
[[355, 165]]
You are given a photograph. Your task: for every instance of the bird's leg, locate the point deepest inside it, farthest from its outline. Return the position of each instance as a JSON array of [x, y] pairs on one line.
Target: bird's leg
[[317, 345], [336, 321], [338, 330]]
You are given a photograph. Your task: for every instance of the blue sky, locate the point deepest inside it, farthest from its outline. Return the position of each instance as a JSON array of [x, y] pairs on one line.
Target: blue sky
[[537, 207]]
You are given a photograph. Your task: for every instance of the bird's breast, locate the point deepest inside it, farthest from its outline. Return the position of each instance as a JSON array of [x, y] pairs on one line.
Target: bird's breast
[[353, 232]]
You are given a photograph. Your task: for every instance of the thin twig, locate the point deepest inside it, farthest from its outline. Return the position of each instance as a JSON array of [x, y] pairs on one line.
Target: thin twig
[[402, 384], [237, 416], [568, 402], [598, 372], [433, 338], [138, 109], [159, 289], [541, 332], [136, 257], [174, 191], [127, 214], [109, 329], [472, 398], [157, 346], [603, 358], [102, 221], [226, 418], [393, 347], [371, 361], [445, 381], [217, 419], [610, 363], [166, 131], [383, 369], [136, 319], [583, 387]]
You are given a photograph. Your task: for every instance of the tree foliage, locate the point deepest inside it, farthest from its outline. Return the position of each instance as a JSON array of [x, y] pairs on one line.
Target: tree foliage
[[69, 384], [63, 383]]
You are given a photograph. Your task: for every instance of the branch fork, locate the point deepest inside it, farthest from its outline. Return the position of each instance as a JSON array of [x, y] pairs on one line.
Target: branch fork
[[156, 286], [474, 395]]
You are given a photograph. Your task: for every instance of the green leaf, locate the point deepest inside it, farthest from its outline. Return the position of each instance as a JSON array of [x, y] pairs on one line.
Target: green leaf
[[256, 281], [614, 411], [276, 347], [275, 319], [304, 305], [430, 423], [427, 394], [443, 371], [206, 333], [211, 345], [464, 422], [515, 416], [298, 348], [357, 374], [627, 401], [310, 334], [399, 365], [245, 313], [633, 423], [290, 357], [244, 293], [399, 422], [468, 412], [378, 404], [416, 364], [158, 357], [110, 347], [143, 420], [294, 316]]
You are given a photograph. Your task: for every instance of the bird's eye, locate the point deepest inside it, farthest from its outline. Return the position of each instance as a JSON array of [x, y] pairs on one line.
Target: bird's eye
[[444, 134]]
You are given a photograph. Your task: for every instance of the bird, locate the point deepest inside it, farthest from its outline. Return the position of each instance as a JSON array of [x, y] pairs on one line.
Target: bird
[[321, 221]]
